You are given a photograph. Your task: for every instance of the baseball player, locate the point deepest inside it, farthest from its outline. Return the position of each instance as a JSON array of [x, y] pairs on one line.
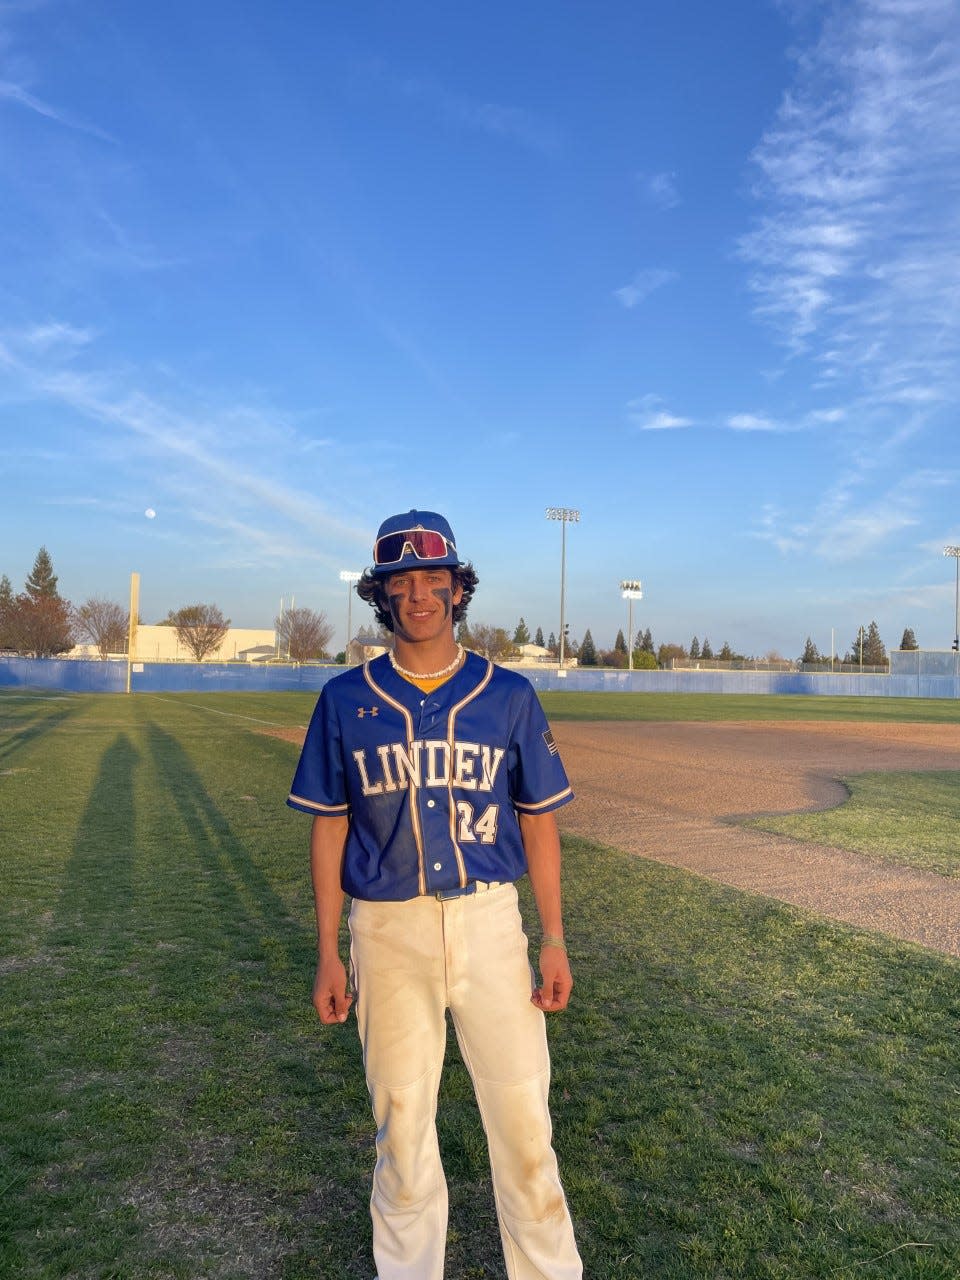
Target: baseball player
[[432, 776]]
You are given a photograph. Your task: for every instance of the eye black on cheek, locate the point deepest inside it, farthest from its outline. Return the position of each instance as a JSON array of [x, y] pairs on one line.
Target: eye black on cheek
[[446, 595]]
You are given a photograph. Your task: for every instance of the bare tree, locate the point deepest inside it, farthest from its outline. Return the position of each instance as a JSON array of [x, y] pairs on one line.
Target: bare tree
[[304, 634], [200, 628], [8, 609], [492, 642], [104, 623]]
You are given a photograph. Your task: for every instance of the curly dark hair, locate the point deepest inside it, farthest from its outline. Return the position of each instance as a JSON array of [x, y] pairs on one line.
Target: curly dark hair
[[373, 591]]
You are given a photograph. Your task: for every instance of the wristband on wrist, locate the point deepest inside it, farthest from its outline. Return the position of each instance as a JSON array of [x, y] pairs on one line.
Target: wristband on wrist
[[550, 940]]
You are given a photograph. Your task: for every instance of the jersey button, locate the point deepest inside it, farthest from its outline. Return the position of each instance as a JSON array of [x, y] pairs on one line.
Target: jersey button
[[438, 866], [431, 804]]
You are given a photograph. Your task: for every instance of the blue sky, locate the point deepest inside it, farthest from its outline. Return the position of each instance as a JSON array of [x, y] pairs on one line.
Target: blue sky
[[273, 272]]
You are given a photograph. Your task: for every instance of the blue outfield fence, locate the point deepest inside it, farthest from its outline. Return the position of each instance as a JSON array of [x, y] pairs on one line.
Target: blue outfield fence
[[93, 676], [917, 674]]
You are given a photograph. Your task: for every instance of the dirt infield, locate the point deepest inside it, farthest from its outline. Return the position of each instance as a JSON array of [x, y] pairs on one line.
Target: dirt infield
[[670, 792]]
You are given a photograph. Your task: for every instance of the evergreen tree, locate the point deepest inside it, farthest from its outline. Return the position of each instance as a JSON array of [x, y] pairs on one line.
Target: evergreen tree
[[646, 645], [726, 653], [522, 634], [538, 638], [860, 652], [874, 651], [694, 648], [620, 645], [588, 652], [909, 640], [706, 651], [552, 645], [41, 620], [811, 654], [42, 582], [41, 627]]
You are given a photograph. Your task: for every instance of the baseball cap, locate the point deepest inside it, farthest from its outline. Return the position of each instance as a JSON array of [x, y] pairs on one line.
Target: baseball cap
[[414, 540]]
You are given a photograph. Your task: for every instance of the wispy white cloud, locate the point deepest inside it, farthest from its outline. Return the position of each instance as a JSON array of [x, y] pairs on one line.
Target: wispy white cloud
[[855, 261], [774, 527], [643, 284], [646, 413], [855, 255], [54, 333], [223, 466], [751, 422], [811, 420], [17, 94], [509, 122], [513, 123], [849, 524], [851, 521], [659, 189]]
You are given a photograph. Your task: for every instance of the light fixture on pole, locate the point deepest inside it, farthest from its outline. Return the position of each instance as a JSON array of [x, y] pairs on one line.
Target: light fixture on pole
[[566, 515], [955, 552], [631, 589], [349, 576]]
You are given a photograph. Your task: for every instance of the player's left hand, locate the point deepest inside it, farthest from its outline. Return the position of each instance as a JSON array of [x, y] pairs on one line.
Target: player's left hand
[[553, 994]]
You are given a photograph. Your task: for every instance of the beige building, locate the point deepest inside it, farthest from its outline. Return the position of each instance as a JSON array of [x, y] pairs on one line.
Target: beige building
[[240, 644], [364, 646]]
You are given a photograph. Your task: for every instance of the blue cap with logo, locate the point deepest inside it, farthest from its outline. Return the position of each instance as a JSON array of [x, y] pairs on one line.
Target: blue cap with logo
[[414, 540]]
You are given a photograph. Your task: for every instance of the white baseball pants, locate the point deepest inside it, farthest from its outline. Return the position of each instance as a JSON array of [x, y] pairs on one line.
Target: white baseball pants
[[411, 961]]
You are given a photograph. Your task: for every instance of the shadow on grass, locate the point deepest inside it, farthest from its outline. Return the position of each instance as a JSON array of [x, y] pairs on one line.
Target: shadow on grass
[[284, 1097], [56, 1021], [23, 735], [249, 911], [97, 891]]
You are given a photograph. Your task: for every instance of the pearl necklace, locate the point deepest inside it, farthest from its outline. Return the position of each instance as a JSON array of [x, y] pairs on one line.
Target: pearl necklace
[[426, 675]]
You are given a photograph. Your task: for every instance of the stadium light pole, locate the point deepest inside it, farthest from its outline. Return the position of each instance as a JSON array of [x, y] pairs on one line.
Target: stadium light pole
[[631, 589], [955, 552], [349, 576], [566, 515]]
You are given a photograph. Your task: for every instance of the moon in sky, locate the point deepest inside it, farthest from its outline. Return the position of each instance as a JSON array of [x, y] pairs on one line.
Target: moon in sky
[[150, 513]]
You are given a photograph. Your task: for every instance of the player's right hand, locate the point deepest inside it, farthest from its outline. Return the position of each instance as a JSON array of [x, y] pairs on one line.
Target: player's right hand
[[330, 998]]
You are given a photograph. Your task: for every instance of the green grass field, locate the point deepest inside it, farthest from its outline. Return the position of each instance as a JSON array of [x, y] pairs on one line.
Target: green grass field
[[907, 818], [740, 1089]]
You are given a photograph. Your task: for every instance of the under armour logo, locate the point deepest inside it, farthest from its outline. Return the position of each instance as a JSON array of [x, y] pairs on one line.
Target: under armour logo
[[367, 711]]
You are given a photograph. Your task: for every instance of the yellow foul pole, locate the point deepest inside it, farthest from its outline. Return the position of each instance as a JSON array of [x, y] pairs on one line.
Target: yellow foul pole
[[132, 629]]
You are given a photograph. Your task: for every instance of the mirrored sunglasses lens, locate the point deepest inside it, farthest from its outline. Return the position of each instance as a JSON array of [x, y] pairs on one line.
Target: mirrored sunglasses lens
[[425, 544]]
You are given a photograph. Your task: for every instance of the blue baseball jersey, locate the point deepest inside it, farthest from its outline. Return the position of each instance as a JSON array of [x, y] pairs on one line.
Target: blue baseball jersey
[[432, 782]]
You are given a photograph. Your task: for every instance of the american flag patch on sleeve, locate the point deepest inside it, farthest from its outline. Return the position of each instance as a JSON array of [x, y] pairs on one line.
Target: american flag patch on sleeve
[[550, 741]]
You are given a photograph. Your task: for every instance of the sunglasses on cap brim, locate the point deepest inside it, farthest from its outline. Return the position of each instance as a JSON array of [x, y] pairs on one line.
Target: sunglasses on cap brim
[[424, 543]]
